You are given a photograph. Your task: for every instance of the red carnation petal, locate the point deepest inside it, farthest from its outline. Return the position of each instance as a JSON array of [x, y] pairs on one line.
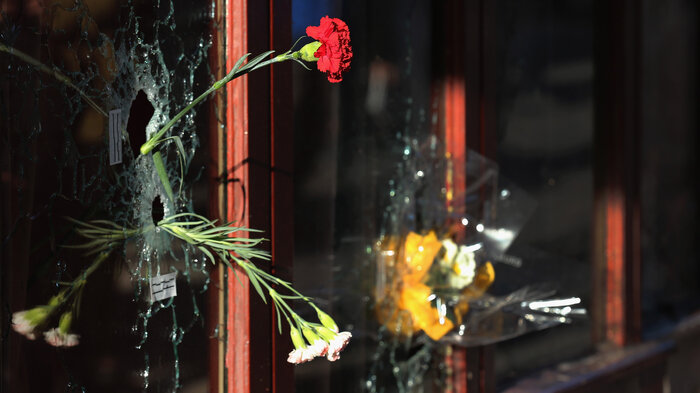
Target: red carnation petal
[[335, 52]]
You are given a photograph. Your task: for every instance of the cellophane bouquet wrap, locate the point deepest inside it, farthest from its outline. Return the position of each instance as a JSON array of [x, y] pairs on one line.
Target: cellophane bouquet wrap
[[449, 224]]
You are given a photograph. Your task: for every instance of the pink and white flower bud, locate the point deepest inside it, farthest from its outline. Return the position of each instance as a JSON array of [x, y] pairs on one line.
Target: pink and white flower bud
[[332, 357], [307, 355], [297, 339], [57, 338], [318, 348], [22, 325], [327, 321], [336, 345], [296, 356], [25, 322]]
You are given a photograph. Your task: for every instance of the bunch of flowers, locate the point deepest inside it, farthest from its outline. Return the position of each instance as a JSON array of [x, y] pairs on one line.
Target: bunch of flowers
[[446, 226], [231, 245], [29, 321], [323, 339], [66, 303], [432, 283]]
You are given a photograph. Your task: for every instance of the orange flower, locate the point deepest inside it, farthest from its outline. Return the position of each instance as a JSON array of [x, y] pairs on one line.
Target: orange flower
[[406, 308], [419, 254], [414, 298]]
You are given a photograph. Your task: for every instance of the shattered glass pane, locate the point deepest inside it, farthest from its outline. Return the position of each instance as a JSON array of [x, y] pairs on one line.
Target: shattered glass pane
[[65, 65]]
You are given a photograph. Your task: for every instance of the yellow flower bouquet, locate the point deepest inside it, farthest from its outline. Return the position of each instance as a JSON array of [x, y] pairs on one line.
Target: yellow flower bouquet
[[435, 262], [407, 307]]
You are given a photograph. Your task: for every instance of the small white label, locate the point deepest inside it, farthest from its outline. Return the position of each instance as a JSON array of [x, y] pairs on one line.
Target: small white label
[[115, 137], [163, 287]]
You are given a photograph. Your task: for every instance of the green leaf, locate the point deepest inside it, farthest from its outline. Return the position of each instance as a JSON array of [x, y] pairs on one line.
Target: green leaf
[[98, 249], [293, 297], [108, 223], [296, 42], [163, 174], [254, 280], [221, 245], [180, 235], [238, 63], [174, 219], [194, 215], [222, 230], [279, 319], [302, 64], [251, 64], [208, 254], [83, 223], [244, 240], [183, 224], [231, 268], [181, 155]]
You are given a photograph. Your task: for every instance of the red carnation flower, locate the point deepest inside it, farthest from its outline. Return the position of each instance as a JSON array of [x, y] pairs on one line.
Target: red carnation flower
[[335, 52]]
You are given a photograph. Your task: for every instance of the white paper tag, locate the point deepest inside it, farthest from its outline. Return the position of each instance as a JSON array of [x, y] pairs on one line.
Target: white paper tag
[[163, 287], [115, 137]]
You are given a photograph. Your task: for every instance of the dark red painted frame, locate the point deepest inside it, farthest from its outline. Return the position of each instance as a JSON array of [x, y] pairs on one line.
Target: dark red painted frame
[[254, 165], [467, 99], [467, 120], [617, 221]]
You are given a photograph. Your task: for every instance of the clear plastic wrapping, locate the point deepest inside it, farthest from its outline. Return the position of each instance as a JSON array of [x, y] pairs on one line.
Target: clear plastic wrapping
[[448, 227]]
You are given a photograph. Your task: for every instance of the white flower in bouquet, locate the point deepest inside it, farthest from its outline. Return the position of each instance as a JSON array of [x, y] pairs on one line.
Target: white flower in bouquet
[[461, 264]]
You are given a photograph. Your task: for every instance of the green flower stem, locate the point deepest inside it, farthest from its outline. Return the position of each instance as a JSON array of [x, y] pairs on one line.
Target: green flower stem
[[300, 321], [156, 138], [238, 70], [54, 72], [233, 74], [216, 240], [103, 235], [163, 174], [77, 284], [278, 300], [287, 285]]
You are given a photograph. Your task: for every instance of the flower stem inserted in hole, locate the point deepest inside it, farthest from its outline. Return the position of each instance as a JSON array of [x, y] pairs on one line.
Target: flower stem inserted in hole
[[227, 243], [331, 52]]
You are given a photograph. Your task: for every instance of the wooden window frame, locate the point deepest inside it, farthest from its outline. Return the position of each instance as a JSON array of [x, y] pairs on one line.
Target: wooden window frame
[[251, 179], [468, 96]]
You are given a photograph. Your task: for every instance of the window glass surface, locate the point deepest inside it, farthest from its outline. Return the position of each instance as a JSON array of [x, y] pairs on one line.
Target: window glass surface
[[146, 59], [544, 61], [350, 138], [350, 148], [669, 165]]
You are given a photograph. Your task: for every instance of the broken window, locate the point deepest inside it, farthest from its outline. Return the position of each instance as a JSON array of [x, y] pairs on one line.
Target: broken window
[[84, 83]]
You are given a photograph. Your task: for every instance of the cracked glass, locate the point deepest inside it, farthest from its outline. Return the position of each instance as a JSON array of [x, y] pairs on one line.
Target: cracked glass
[[68, 67]]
